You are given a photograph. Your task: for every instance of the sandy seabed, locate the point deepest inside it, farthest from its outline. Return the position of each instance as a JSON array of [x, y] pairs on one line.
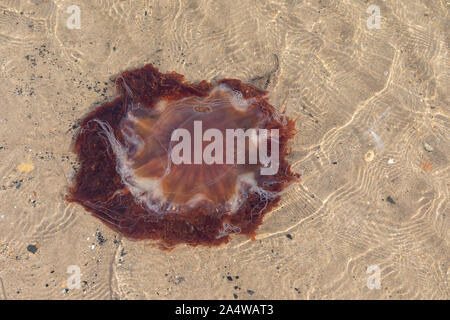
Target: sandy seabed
[[369, 219]]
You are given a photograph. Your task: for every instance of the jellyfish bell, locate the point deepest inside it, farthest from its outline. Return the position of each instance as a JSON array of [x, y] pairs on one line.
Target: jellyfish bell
[[181, 162]]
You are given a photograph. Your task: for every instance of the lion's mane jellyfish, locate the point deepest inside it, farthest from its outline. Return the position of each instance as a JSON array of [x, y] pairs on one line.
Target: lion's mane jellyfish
[[181, 162]]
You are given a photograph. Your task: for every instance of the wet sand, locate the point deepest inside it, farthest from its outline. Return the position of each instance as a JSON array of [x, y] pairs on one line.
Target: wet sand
[[369, 219]]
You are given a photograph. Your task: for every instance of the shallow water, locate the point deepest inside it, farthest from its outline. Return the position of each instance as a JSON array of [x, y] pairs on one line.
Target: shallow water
[[369, 219]]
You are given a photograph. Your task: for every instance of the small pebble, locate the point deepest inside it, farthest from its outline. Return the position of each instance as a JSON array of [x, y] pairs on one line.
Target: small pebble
[[32, 248], [369, 155], [427, 147], [390, 200]]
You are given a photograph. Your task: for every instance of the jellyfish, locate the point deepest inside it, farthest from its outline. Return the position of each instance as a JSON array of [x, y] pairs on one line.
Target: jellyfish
[[179, 162]]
